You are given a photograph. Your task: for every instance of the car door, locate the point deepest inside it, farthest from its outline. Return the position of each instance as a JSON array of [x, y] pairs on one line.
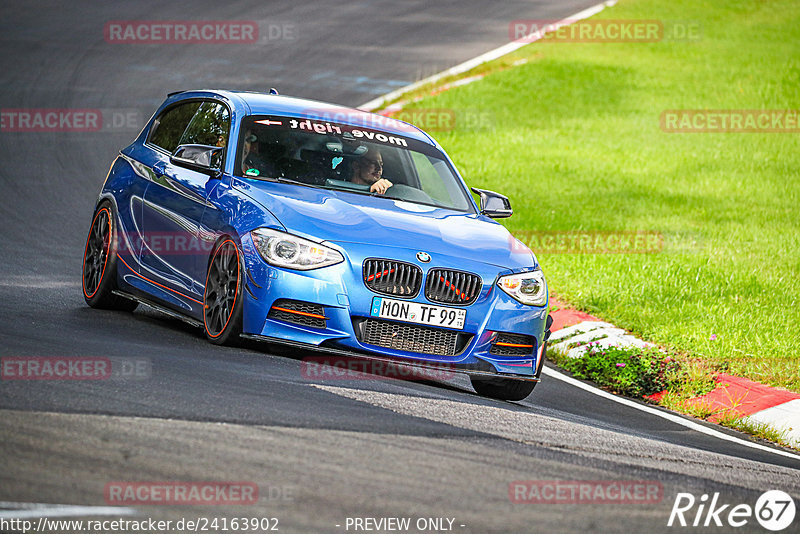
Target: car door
[[174, 204], [163, 137]]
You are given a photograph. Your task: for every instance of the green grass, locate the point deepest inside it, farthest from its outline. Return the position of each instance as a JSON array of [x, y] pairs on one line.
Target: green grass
[[759, 430], [626, 371], [575, 143]]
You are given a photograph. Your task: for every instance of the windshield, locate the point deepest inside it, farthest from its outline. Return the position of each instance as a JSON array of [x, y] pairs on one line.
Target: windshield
[[347, 158]]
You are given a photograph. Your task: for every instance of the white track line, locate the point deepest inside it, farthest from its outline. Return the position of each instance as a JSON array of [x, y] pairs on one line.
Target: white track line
[[31, 510], [664, 415], [483, 58], [499, 52]]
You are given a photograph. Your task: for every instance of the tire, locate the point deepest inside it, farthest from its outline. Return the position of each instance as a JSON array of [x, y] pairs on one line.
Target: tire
[[222, 298], [99, 277], [502, 388]]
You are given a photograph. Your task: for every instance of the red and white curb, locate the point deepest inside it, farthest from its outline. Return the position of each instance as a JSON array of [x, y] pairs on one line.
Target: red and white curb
[[757, 403], [573, 341], [479, 60], [566, 317], [391, 109], [572, 330]]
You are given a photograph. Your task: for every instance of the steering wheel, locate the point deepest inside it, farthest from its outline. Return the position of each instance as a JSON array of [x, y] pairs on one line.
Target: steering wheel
[[343, 184], [412, 194]]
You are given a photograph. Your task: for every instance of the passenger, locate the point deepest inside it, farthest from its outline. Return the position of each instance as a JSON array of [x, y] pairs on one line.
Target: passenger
[[367, 170]]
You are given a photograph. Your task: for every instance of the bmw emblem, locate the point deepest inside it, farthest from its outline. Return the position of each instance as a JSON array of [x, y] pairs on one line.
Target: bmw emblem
[[424, 257]]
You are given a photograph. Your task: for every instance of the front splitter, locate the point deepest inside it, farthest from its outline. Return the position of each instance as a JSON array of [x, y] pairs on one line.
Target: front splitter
[[455, 368]]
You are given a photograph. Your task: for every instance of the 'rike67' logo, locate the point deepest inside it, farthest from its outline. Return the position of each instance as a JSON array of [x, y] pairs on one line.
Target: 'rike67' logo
[[774, 510]]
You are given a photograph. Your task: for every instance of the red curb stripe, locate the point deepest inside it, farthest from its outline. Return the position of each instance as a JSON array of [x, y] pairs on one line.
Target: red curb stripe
[[564, 316], [742, 396], [656, 397]]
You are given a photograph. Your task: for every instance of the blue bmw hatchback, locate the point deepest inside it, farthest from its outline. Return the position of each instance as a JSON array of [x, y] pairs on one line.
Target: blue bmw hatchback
[[328, 228]]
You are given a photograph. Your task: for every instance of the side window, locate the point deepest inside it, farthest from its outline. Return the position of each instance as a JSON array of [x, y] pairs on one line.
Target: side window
[[169, 126], [429, 178], [210, 126]]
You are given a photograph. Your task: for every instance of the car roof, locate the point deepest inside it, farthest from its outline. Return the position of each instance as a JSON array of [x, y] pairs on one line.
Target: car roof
[[254, 103]]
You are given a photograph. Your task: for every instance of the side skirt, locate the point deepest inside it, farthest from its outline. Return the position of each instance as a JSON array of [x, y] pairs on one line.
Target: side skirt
[[159, 307]]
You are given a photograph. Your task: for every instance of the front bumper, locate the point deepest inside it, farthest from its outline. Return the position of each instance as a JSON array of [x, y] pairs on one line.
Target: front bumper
[[346, 302]]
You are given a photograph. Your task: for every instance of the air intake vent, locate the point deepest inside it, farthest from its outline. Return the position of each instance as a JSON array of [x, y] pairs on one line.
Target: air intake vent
[[302, 313], [513, 345], [395, 278], [452, 287], [411, 338]]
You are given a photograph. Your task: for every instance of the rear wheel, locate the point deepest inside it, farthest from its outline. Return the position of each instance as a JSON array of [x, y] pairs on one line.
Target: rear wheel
[[222, 300], [502, 388], [99, 277]]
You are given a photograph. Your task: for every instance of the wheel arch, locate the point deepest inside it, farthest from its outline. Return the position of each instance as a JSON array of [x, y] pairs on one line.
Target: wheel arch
[[225, 236], [235, 318]]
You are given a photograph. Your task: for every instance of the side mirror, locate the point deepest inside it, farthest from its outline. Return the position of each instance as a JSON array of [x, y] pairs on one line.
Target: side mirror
[[493, 204], [201, 158]]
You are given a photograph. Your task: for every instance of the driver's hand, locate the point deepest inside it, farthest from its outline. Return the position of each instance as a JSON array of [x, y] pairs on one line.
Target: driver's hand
[[380, 186]]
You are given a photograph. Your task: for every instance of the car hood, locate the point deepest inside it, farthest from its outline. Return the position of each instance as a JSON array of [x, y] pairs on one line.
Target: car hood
[[344, 217]]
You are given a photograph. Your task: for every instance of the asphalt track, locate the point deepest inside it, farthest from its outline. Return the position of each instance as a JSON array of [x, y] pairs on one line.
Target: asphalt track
[[331, 449]]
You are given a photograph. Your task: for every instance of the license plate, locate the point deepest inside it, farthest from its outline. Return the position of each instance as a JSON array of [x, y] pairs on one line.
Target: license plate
[[414, 312]]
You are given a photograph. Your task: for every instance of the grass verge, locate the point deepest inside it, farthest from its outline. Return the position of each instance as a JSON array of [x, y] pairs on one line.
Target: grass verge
[[640, 373], [626, 371], [574, 140]]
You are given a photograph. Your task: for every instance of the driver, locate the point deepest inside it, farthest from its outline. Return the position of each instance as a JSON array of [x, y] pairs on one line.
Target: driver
[[367, 170]]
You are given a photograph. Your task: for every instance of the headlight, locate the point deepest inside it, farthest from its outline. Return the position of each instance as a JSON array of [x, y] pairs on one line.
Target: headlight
[[286, 250], [528, 288]]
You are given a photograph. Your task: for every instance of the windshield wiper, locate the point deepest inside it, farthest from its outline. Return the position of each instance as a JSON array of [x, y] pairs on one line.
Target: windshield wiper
[[282, 180], [291, 181]]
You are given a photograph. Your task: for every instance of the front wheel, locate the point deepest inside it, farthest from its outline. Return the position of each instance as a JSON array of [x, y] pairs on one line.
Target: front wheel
[[222, 300], [99, 278], [502, 388]]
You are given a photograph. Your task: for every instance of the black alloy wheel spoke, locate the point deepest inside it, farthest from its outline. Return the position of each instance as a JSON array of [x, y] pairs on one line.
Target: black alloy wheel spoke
[[221, 291], [96, 253]]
